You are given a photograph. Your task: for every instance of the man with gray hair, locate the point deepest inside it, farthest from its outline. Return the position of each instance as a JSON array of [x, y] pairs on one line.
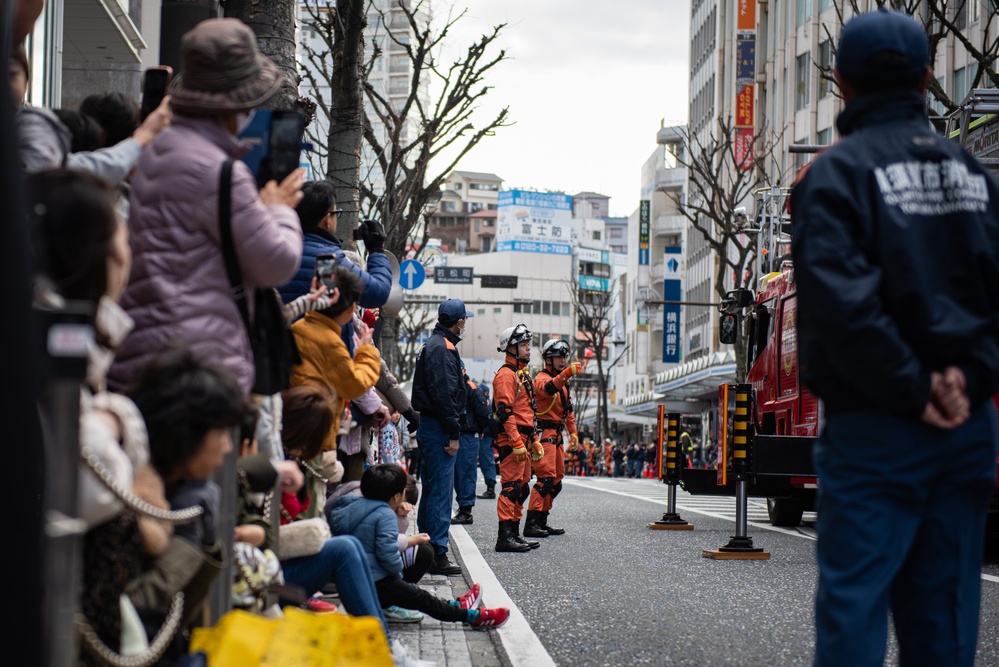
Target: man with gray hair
[[896, 250]]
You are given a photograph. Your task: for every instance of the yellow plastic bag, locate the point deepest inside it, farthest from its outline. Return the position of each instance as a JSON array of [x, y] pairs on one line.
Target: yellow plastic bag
[[300, 639]]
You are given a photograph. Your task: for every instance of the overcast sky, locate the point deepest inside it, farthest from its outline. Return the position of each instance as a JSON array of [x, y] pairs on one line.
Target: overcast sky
[[587, 83]]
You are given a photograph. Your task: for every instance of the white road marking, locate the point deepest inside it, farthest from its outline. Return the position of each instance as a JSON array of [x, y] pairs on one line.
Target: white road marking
[[523, 647], [711, 506]]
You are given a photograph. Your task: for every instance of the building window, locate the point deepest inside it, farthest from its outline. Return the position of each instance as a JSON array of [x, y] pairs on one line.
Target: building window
[[517, 308], [960, 12], [546, 307], [497, 310], [974, 11], [804, 11], [596, 235], [961, 84], [556, 308], [480, 311], [825, 4], [803, 64], [824, 137], [825, 62], [457, 186]]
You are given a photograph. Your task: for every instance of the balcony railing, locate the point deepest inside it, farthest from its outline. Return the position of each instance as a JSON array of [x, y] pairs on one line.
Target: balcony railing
[[668, 224]]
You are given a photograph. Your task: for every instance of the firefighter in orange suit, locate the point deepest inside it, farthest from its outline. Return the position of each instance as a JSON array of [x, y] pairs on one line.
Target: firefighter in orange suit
[[517, 442], [554, 417]]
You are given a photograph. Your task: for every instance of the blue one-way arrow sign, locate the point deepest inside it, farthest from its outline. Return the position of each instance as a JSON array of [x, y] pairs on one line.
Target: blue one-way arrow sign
[[411, 274]]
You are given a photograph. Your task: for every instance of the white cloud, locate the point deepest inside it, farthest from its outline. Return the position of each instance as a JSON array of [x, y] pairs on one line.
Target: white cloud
[[587, 84]]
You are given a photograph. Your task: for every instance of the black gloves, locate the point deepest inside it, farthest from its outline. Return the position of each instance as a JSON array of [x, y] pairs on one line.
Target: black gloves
[[413, 419], [201, 531], [373, 235]]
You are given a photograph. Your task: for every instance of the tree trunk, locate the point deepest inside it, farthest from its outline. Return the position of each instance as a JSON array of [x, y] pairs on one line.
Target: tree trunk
[[346, 116], [273, 22], [388, 346]]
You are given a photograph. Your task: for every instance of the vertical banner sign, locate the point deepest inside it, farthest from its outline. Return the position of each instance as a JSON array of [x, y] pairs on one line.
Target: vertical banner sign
[[672, 291], [747, 15], [744, 107], [643, 232], [743, 148], [745, 61], [745, 83]]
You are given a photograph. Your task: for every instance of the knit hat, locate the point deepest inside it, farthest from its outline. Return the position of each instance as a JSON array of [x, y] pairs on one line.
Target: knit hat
[[877, 33], [222, 70]]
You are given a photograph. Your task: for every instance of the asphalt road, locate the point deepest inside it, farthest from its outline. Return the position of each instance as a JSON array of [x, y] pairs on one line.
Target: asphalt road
[[612, 592]]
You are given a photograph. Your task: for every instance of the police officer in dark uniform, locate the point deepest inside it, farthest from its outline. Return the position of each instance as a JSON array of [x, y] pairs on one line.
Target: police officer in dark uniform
[[439, 396]]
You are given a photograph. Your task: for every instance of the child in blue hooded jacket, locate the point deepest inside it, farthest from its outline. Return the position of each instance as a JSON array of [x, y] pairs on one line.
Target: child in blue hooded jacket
[[372, 520]]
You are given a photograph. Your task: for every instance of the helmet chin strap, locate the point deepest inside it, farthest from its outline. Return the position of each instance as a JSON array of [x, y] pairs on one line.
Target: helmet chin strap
[[514, 352]]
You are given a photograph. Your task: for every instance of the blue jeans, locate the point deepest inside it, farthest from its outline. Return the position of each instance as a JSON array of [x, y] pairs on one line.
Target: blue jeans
[[486, 460], [434, 514], [465, 470], [901, 524], [342, 561]]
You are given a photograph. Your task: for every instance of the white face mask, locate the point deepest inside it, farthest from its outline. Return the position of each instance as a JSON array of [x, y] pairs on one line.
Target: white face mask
[[243, 119]]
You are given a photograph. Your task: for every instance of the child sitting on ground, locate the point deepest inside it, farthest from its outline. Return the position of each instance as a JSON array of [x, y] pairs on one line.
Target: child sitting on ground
[[372, 519]]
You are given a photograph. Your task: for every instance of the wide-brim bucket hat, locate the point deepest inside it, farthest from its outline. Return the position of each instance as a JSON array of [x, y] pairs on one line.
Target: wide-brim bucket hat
[[222, 71]]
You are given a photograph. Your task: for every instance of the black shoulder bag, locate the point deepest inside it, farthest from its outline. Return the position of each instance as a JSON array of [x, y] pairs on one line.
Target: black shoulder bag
[[271, 340]]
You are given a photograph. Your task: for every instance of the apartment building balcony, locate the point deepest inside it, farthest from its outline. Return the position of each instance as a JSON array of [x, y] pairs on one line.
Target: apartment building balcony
[[665, 225], [671, 179]]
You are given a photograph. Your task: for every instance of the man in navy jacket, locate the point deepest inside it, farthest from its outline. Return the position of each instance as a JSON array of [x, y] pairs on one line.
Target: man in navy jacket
[[896, 260], [318, 214], [439, 396]]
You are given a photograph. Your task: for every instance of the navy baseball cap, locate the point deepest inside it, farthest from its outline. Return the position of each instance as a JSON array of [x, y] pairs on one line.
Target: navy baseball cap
[[454, 310], [883, 32]]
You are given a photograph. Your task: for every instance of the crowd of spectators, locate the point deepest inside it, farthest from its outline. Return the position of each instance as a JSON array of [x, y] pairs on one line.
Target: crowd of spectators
[[186, 464]]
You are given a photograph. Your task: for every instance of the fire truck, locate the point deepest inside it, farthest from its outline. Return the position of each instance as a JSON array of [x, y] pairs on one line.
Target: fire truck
[[785, 415], [785, 419]]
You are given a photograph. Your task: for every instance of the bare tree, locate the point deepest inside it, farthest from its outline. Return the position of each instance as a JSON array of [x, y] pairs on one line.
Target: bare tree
[[595, 312], [414, 321], [415, 144], [722, 177], [942, 20]]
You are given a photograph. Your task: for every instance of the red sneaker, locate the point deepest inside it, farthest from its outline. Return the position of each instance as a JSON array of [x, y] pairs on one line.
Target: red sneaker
[[491, 618], [320, 606], [472, 598]]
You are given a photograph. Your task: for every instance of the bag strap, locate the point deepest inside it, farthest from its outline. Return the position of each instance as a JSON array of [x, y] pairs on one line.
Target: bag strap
[[236, 287]]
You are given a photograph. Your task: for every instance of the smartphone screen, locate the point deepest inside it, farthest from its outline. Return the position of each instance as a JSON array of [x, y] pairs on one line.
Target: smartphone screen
[[325, 263], [155, 83], [284, 144]]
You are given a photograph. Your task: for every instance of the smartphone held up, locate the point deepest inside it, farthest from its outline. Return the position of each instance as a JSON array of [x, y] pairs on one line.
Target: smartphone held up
[[325, 263], [155, 84]]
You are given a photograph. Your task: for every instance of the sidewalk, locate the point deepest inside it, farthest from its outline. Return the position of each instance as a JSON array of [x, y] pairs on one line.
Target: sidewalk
[[447, 644], [450, 644]]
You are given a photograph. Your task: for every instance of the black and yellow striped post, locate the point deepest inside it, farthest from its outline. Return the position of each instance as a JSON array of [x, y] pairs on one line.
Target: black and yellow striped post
[[669, 469], [740, 546]]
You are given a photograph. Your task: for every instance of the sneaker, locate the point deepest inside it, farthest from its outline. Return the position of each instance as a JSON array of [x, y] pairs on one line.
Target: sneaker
[[402, 658], [396, 614], [320, 606], [442, 565], [472, 598], [491, 618]]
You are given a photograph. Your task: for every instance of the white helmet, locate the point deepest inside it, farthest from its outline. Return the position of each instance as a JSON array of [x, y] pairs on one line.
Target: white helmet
[[556, 347], [513, 336]]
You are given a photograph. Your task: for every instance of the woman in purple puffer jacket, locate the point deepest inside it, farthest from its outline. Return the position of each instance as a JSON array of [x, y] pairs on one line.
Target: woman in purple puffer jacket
[[178, 290]]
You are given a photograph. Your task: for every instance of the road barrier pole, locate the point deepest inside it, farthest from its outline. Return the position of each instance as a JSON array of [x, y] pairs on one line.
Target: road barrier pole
[[740, 546], [668, 444]]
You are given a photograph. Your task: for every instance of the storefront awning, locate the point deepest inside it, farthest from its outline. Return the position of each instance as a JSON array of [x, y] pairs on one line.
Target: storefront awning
[[697, 379]]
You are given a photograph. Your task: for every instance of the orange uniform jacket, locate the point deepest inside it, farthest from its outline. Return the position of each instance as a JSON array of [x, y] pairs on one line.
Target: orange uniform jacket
[[552, 394], [508, 390]]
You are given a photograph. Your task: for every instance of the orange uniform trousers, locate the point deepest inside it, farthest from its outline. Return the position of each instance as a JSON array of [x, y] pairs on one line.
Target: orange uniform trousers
[[515, 478], [549, 472]]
